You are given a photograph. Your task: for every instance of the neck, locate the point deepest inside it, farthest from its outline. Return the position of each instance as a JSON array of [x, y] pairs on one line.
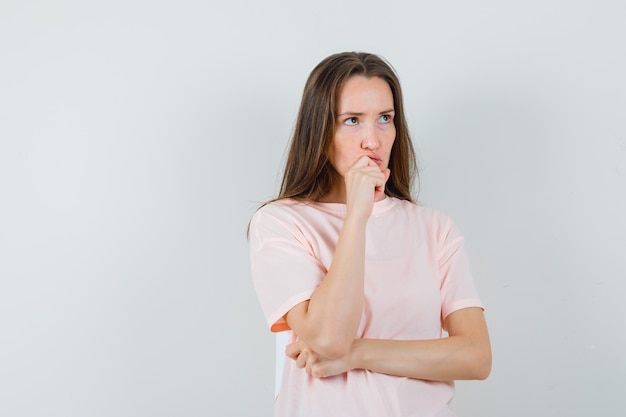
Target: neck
[[334, 197], [339, 196]]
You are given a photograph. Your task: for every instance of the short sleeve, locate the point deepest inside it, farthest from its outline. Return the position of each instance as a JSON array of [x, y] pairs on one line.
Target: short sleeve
[[285, 269], [457, 284]]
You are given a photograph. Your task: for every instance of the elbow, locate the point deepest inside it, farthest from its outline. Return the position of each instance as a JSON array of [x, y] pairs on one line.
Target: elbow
[[475, 362], [481, 367], [482, 372], [478, 359], [332, 348]]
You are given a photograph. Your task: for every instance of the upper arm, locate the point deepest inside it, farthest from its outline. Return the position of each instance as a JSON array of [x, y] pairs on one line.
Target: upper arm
[[296, 317], [468, 321], [284, 270]]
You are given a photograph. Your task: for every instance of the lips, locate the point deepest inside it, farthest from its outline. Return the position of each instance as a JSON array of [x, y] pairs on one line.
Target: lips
[[376, 159]]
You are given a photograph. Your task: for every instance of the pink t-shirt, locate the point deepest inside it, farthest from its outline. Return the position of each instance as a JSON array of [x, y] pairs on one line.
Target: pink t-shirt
[[416, 273]]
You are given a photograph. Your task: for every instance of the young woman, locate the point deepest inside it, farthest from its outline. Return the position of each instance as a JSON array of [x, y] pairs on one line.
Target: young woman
[[363, 277]]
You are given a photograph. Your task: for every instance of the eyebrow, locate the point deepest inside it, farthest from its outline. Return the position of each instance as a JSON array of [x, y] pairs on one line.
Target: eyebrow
[[353, 113]]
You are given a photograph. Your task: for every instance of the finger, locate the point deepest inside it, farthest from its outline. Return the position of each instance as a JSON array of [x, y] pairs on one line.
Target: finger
[[318, 371], [301, 360], [293, 350], [382, 177], [311, 362], [364, 161], [367, 174], [379, 189], [387, 173], [381, 180]]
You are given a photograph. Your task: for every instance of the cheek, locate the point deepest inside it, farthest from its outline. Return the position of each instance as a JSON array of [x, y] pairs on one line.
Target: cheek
[[390, 137], [340, 149], [388, 130], [335, 156]]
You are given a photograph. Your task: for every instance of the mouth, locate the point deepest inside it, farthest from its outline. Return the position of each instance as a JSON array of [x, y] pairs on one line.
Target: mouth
[[376, 159]]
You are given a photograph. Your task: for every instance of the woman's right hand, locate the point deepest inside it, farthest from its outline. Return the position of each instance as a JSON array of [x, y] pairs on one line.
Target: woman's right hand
[[365, 184], [314, 364]]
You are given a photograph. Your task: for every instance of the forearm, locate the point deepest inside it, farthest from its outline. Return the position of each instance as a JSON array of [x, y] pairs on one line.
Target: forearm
[[328, 322], [451, 358], [463, 355]]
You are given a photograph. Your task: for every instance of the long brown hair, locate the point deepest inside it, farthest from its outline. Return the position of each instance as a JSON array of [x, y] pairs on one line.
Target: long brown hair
[[308, 174]]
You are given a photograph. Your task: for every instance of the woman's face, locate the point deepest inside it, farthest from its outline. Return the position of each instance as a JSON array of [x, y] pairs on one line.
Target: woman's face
[[364, 124]]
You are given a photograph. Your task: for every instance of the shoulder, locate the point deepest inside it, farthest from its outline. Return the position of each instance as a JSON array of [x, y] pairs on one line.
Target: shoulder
[[279, 209], [426, 214], [436, 224], [279, 217]]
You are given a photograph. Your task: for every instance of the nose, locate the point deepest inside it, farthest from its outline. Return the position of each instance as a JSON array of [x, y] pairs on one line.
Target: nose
[[370, 138]]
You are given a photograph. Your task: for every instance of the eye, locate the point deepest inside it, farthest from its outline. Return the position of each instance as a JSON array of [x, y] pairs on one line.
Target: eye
[[351, 121], [384, 118]]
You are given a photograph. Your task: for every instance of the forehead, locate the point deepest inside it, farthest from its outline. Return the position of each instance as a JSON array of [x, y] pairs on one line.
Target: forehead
[[360, 93]]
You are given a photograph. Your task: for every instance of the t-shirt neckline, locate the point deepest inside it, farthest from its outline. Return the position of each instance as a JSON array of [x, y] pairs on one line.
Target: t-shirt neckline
[[380, 207]]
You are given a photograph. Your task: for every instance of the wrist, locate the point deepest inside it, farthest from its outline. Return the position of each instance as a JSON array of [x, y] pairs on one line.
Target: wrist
[[356, 218], [356, 354]]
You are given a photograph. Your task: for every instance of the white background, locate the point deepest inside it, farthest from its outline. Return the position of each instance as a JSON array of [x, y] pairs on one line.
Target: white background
[[137, 137]]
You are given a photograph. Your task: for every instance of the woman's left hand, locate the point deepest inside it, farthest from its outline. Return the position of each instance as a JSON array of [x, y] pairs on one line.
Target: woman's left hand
[[315, 365]]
